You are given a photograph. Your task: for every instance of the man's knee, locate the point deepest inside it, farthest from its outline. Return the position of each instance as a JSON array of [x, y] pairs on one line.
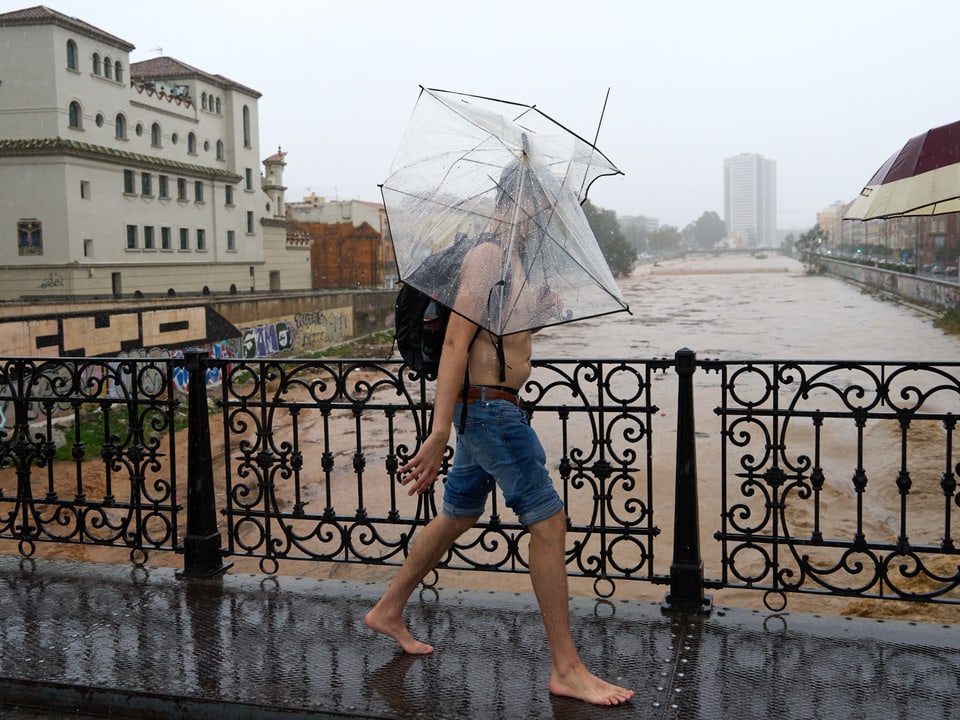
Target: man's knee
[[553, 524]]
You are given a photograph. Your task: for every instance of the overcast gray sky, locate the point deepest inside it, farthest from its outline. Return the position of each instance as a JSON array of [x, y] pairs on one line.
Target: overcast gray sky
[[826, 88]]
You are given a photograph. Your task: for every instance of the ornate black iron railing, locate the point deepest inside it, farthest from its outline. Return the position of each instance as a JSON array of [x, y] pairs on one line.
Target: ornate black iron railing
[[839, 478], [119, 494], [821, 477], [317, 446]]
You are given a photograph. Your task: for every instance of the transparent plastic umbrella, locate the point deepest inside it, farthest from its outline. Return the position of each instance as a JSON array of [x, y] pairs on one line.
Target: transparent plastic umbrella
[[471, 171]]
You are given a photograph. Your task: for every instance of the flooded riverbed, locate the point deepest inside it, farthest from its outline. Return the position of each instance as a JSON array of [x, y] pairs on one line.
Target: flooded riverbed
[[742, 307]]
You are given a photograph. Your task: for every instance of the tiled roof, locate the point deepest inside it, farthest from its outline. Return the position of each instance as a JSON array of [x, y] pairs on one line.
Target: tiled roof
[[166, 68], [42, 15], [58, 145]]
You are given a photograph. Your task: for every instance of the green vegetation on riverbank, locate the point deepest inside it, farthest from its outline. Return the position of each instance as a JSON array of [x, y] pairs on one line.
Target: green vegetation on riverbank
[[949, 322], [377, 345]]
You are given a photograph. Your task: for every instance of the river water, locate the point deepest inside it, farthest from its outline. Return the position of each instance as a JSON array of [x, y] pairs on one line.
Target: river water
[[742, 307]]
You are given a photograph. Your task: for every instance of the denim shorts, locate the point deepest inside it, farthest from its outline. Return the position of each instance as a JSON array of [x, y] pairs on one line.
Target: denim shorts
[[498, 446]]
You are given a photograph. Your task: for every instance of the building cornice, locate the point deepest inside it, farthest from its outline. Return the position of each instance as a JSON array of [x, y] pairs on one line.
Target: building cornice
[[61, 146], [41, 15]]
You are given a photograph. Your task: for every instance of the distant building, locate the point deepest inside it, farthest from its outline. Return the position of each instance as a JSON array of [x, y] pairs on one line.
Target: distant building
[[125, 179], [350, 247], [916, 240], [750, 200], [641, 222], [830, 220]]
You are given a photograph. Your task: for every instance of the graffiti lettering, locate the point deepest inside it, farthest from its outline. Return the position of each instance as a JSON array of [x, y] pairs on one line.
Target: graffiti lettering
[[320, 328], [267, 339], [52, 280]]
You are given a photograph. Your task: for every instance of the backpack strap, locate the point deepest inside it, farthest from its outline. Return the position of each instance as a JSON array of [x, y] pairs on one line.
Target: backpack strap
[[502, 358]]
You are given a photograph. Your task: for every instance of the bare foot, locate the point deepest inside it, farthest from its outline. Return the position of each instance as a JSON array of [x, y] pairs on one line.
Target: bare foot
[[394, 628], [583, 685]]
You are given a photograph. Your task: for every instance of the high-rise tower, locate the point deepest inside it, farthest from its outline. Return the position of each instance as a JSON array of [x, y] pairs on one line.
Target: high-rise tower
[[750, 199]]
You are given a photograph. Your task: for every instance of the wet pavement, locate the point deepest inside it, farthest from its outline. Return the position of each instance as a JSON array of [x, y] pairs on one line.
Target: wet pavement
[[116, 641]]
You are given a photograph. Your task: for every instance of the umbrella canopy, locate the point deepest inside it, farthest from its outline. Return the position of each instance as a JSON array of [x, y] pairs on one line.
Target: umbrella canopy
[[504, 179], [923, 178]]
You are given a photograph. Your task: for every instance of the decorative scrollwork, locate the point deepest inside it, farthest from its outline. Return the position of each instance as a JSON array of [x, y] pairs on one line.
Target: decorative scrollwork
[[799, 521], [61, 492], [303, 409]]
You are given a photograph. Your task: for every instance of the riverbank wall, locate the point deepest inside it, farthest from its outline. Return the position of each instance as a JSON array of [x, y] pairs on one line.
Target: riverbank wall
[[230, 326], [929, 293]]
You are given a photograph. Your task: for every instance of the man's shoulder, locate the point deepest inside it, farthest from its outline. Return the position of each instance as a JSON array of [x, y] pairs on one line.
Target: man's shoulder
[[484, 249]]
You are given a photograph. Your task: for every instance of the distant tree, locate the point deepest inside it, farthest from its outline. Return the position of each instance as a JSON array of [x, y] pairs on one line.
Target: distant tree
[[666, 239], [787, 246], [708, 230], [806, 247], [620, 256]]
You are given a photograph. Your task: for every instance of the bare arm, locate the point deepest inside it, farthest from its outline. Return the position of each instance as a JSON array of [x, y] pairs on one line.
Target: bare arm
[[479, 266], [423, 467]]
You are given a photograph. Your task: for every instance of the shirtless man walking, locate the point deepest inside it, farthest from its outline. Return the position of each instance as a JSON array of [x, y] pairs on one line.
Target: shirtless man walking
[[498, 445]]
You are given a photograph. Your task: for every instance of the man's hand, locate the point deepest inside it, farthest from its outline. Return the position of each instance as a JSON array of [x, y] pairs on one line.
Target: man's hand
[[549, 305], [421, 471]]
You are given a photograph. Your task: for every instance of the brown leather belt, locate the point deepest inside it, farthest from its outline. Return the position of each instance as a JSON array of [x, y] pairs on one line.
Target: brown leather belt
[[484, 392]]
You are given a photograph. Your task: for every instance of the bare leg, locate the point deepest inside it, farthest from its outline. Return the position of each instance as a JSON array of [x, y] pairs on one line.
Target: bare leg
[[568, 676], [387, 615]]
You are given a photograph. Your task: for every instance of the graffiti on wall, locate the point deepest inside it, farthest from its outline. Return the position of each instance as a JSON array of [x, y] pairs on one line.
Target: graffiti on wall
[[117, 382], [160, 334], [320, 328], [103, 333], [267, 339]]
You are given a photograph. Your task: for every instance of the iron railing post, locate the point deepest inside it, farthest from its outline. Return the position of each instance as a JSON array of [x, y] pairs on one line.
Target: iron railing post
[[201, 546], [686, 570]]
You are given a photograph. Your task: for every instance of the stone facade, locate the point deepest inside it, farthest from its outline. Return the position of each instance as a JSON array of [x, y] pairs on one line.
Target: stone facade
[[128, 180]]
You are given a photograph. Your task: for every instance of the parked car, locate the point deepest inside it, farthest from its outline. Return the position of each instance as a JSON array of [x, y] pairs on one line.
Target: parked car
[[950, 270], [937, 269]]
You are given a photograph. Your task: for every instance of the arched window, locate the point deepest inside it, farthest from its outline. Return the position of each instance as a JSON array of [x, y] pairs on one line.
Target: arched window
[[219, 149], [218, 106], [203, 101], [72, 56], [107, 68], [118, 71], [246, 126], [192, 144], [155, 134], [96, 63], [121, 126], [76, 115]]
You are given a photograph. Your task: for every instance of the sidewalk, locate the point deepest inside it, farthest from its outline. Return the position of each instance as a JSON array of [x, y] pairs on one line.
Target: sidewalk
[[111, 640]]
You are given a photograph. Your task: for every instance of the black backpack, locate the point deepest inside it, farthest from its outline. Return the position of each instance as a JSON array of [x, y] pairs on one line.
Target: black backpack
[[420, 321], [420, 325]]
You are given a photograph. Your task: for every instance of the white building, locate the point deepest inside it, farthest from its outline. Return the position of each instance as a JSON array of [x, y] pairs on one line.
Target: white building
[[316, 209], [123, 179], [750, 200]]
